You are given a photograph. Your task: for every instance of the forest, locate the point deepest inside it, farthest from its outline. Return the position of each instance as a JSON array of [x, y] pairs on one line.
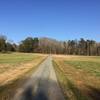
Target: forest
[[53, 46]]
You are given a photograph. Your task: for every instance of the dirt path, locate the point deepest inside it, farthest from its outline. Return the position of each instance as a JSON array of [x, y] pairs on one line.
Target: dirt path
[[42, 85]]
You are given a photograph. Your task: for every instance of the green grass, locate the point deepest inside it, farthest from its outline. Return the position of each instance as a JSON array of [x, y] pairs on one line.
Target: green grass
[[79, 77], [71, 92], [88, 66], [15, 58], [11, 60], [8, 90]]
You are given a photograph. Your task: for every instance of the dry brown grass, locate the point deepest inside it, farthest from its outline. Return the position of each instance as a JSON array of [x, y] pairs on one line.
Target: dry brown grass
[[14, 75], [16, 71], [86, 83], [80, 58]]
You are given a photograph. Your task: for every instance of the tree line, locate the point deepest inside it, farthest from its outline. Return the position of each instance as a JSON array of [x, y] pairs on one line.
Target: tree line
[[6, 46], [48, 45]]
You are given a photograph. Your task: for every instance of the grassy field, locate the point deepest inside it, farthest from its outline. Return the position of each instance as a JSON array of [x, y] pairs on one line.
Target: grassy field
[[14, 70], [79, 76], [16, 58]]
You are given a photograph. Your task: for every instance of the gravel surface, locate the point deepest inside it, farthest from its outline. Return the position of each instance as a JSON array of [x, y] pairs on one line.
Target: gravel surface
[[42, 85]]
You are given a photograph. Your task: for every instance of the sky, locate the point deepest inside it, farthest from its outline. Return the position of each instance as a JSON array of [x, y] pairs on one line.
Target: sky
[[59, 19]]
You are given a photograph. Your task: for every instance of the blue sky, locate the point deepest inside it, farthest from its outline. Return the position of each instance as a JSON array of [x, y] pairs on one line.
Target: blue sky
[[59, 19]]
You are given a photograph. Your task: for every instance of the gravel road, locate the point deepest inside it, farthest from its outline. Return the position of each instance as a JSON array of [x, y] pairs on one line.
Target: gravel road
[[42, 85]]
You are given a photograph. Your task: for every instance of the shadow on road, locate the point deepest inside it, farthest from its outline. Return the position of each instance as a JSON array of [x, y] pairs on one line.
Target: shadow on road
[[34, 90], [30, 92], [29, 95], [42, 92]]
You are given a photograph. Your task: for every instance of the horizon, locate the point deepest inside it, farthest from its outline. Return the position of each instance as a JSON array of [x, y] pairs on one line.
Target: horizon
[[57, 19], [10, 40]]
